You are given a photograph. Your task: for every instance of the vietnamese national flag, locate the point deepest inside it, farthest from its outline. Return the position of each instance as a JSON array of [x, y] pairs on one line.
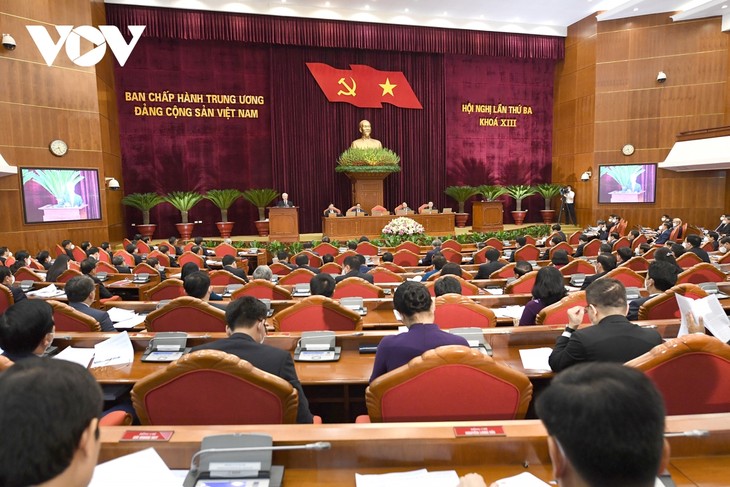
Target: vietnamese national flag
[[363, 86]]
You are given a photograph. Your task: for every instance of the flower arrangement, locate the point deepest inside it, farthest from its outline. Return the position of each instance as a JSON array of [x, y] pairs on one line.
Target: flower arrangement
[[368, 160], [403, 226]]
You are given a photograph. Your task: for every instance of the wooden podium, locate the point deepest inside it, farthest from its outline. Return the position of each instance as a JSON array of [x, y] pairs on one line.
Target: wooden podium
[[487, 216], [367, 188], [283, 224]]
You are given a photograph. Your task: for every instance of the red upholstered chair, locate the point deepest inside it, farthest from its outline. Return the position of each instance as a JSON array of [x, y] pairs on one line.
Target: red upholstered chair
[[638, 241], [678, 233], [523, 285], [316, 313], [366, 248], [577, 266], [395, 267], [65, 318], [621, 227], [68, 274], [340, 258], [410, 246], [102, 266], [649, 254], [59, 250], [188, 256], [116, 418], [326, 249], [297, 276], [527, 252], [28, 274], [451, 244], [72, 264], [548, 239], [383, 275], [143, 248], [480, 256], [262, 289], [700, 273], [557, 313], [145, 268], [126, 256], [225, 249], [708, 247], [505, 272], [427, 388], [687, 260], [494, 243], [664, 306], [456, 311], [280, 269], [591, 248], [637, 263], [312, 259], [627, 277], [331, 268], [356, 287], [467, 288], [6, 299], [725, 259], [125, 242], [405, 258], [622, 242], [188, 246], [79, 255], [225, 388], [167, 289], [186, 314], [530, 240], [104, 256], [574, 238], [162, 258], [451, 255], [379, 210], [691, 372], [223, 278], [561, 246]]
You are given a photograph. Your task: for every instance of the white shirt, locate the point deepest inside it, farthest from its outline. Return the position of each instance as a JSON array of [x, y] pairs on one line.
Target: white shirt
[[570, 197]]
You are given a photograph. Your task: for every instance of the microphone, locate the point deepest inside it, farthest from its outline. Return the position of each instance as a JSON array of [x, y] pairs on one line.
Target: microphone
[[194, 462]]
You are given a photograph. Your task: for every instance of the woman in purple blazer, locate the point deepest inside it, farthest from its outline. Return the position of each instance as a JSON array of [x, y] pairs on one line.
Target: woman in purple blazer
[[548, 289]]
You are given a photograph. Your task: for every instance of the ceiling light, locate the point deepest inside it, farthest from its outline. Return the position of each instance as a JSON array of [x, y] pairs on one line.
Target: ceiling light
[[724, 6], [636, 9], [326, 4], [445, 13], [406, 10], [367, 7]]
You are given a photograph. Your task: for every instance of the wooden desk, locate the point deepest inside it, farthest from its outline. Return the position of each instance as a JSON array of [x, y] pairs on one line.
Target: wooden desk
[[349, 227], [386, 447]]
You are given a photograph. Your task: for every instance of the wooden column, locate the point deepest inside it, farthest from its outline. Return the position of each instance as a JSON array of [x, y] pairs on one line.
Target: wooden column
[[367, 189]]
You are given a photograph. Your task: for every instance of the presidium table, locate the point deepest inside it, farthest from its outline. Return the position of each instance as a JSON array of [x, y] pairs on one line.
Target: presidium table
[[348, 227]]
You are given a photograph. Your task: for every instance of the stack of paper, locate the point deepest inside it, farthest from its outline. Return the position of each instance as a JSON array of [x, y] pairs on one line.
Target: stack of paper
[[524, 479], [50, 291], [422, 478], [124, 319], [117, 350], [514, 312], [536, 358], [81, 356], [141, 468]]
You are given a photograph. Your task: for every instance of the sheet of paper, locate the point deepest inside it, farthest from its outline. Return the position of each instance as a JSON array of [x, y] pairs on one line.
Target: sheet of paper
[[130, 322], [495, 291], [50, 291], [536, 358], [144, 467], [114, 351], [685, 306], [119, 314], [81, 356], [525, 479], [514, 312], [710, 310], [421, 478]]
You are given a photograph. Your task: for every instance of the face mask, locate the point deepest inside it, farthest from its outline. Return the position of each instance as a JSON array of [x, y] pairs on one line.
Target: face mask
[[637, 251], [722, 250]]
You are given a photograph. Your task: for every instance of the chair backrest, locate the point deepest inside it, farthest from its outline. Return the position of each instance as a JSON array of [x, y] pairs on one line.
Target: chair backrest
[[188, 256], [467, 288], [262, 289], [591, 248], [222, 277], [297, 276], [79, 255], [331, 268], [451, 383], [126, 257], [326, 249], [699, 273], [638, 241], [366, 248], [480, 256], [678, 232], [627, 277], [523, 285], [28, 274], [225, 249], [65, 318], [102, 266], [621, 242], [557, 313], [395, 267], [649, 254], [383, 274], [188, 246], [378, 209], [451, 255], [405, 258], [691, 372], [561, 246], [530, 239], [457, 311], [574, 238], [708, 247], [67, 275], [340, 258], [58, 250], [664, 306], [167, 289], [577, 266], [145, 268], [637, 263], [357, 287], [316, 313], [125, 242], [505, 272], [407, 245], [494, 243], [621, 227], [225, 388], [186, 314], [104, 256], [687, 260], [312, 259], [527, 252], [451, 244], [143, 248], [164, 259], [8, 262], [280, 269], [6, 299]]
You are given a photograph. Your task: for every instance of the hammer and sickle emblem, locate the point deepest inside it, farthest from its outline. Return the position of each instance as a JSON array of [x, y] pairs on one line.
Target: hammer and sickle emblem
[[350, 89]]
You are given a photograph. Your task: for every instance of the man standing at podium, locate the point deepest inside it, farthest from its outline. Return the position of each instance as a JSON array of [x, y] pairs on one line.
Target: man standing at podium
[[366, 142], [285, 201]]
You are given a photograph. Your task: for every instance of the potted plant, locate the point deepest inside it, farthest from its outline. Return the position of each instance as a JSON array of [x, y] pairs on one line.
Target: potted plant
[[491, 193], [519, 192], [461, 194], [61, 184], [548, 191], [144, 202], [261, 198], [368, 160], [183, 201], [223, 199]]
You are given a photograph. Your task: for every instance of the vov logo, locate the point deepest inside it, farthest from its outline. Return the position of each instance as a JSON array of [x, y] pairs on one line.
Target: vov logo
[[71, 36]]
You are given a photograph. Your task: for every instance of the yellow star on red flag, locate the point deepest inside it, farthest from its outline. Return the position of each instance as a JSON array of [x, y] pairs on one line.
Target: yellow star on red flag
[[387, 87]]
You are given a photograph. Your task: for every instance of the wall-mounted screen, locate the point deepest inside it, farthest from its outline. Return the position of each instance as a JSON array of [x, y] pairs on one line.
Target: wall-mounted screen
[[60, 195], [627, 183]]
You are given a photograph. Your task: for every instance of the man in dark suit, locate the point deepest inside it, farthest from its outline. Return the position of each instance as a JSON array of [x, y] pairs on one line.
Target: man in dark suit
[[80, 293], [246, 328], [118, 263], [197, 285], [556, 228], [520, 242], [666, 232], [694, 242], [68, 247], [171, 256], [7, 279], [554, 240], [493, 264], [604, 264], [88, 268], [26, 329], [228, 265], [351, 268], [132, 249], [612, 338], [357, 209], [436, 244], [660, 277], [302, 262], [173, 245], [285, 202]]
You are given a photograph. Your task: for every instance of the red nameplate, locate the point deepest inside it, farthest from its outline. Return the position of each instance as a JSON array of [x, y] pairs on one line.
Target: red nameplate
[[137, 435], [467, 431]]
